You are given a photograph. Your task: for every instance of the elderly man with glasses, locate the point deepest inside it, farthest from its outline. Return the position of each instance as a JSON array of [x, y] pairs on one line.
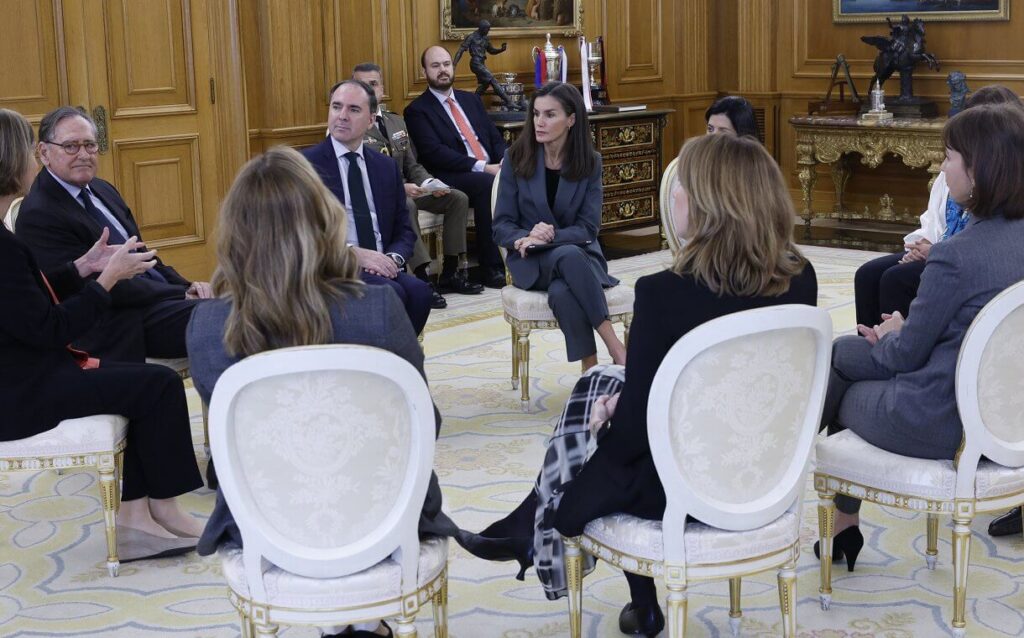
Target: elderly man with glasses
[[67, 210]]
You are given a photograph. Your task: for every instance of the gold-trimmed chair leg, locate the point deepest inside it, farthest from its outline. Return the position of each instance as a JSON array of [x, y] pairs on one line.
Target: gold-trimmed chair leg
[[109, 494], [735, 608], [406, 627], [826, 527], [439, 247], [574, 584], [932, 553], [627, 321], [265, 630], [676, 604], [440, 607], [515, 359], [118, 478], [524, 368], [962, 516], [787, 598]]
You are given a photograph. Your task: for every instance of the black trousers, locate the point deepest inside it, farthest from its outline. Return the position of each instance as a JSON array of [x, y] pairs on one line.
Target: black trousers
[[159, 460], [477, 187], [885, 285], [598, 491], [130, 334]]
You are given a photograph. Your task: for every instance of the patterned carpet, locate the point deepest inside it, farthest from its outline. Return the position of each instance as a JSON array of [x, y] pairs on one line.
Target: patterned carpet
[[53, 581]]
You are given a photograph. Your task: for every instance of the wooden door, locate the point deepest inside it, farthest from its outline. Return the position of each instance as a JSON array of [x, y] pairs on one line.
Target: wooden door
[[142, 69]]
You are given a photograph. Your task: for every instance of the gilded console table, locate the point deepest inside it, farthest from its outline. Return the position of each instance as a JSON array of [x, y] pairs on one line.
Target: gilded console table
[[630, 148], [830, 139]]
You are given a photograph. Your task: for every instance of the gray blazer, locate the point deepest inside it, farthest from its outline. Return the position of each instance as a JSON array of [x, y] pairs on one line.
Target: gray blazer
[[377, 318], [963, 273], [522, 203]]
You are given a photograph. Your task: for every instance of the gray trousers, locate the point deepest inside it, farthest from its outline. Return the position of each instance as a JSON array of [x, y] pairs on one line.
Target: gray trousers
[[455, 208], [575, 295], [860, 398]]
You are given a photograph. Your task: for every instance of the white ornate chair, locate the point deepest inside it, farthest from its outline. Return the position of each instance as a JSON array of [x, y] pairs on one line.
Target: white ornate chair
[[990, 399], [732, 416], [668, 230], [11, 215], [324, 455], [528, 310], [92, 441], [432, 229]]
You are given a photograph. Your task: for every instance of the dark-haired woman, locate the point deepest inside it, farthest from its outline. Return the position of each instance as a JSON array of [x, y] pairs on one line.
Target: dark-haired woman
[[550, 193], [731, 114], [895, 388]]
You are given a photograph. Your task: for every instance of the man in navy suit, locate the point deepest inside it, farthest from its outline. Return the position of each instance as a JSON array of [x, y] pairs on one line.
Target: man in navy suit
[[64, 214], [457, 143], [369, 185]]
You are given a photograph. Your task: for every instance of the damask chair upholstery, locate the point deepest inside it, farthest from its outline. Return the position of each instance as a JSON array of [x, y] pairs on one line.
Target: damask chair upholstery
[[324, 455], [668, 230], [731, 418], [986, 476], [92, 441], [528, 310]]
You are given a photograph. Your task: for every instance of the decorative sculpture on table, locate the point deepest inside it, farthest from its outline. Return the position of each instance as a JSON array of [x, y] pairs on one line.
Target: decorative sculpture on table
[[479, 45], [902, 51], [958, 91]]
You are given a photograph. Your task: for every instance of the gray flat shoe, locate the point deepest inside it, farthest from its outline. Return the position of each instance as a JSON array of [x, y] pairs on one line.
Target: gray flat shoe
[[134, 544]]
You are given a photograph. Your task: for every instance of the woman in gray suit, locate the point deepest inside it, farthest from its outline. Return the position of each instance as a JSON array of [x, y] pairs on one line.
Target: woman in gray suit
[[286, 278], [548, 214], [894, 384]]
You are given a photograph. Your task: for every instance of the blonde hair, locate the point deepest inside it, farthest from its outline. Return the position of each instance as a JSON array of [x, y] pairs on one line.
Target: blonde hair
[[740, 233], [15, 151], [282, 257]]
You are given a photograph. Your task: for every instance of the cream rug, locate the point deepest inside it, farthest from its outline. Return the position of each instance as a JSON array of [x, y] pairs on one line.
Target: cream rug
[[53, 581]]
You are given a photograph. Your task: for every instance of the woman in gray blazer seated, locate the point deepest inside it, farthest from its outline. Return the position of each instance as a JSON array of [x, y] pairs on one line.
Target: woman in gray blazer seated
[[894, 385], [549, 198], [286, 278]]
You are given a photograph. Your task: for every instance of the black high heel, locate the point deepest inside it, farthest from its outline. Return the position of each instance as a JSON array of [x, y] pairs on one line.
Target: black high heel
[[846, 543], [517, 548]]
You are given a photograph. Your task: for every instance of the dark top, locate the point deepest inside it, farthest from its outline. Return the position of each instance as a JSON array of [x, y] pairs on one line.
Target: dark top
[[376, 318], [58, 230], [39, 378], [438, 143], [552, 176], [667, 307]]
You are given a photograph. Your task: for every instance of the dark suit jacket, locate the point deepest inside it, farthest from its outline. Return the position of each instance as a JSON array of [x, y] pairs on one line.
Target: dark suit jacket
[[438, 142], [667, 307], [375, 318], [522, 203], [386, 183], [39, 377], [58, 230], [398, 145]]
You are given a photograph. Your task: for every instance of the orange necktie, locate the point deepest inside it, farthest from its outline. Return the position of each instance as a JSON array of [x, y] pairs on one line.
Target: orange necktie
[[466, 130]]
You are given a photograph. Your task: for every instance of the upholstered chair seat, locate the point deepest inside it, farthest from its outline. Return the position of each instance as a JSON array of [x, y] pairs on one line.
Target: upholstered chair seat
[[92, 441]]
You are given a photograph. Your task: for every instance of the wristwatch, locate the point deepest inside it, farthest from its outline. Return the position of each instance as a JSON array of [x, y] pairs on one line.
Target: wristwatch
[[398, 259]]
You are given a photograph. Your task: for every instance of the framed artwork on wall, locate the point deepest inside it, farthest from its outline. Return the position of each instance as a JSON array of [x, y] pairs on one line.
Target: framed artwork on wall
[[511, 18], [928, 10]]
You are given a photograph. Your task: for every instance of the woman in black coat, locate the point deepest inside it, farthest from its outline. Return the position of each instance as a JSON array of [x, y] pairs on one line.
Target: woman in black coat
[[44, 382], [733, 213]]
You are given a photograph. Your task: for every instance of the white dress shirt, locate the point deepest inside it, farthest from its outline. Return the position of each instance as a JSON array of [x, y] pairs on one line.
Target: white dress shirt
[[75, 191], [443, 99], [353, 237]]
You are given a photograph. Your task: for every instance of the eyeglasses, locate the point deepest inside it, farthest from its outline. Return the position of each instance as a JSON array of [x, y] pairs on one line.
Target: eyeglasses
[[72, 148]]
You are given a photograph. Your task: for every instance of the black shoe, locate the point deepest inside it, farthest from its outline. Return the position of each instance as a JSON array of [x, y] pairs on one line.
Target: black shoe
[[846, 543], [458, 282], [211, 476], [436, 300], [641, 620], [492, 276], [1007, 524]]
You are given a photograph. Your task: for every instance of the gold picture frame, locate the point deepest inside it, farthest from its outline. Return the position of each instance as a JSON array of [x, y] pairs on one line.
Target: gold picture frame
[[459, 18], [847, 11]]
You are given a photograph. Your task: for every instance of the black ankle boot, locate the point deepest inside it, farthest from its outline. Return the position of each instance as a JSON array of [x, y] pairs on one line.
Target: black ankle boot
[[641, 620]]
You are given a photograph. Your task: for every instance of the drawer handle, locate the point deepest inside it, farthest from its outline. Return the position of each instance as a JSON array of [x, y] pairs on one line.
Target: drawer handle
[[627, 173], [627, 210], [627, 135]]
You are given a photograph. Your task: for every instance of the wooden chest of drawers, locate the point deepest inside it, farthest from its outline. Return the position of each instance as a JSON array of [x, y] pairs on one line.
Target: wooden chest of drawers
[[630, 147]]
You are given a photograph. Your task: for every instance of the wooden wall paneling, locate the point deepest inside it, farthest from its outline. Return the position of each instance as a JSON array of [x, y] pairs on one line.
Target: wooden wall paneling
[[639, 57], [357, 32], [150, 66], [34, 80]]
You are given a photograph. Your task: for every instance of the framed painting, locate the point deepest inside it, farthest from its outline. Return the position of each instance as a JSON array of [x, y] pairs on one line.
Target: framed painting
[[927, 10], [511, 18]]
